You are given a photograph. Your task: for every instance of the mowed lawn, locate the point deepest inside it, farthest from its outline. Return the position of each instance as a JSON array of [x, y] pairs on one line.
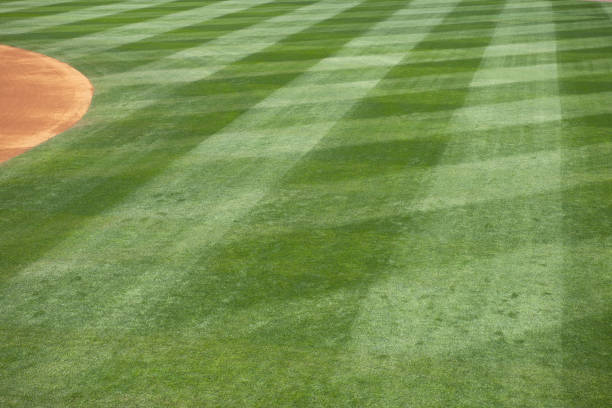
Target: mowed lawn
[[314, 203]]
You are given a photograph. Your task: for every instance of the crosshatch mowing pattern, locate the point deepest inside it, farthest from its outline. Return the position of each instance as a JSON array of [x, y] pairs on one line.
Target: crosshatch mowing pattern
[[318, 203]]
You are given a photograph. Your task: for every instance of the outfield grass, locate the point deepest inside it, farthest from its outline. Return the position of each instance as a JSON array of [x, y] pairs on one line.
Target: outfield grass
[[316, 203]]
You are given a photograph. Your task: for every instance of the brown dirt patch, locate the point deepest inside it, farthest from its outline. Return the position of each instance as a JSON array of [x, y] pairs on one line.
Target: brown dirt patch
[[40, 97]]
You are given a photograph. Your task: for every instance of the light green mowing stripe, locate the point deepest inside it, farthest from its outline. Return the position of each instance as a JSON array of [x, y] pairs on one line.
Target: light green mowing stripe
[[504, 178], [587, 222], [544, 46], [608, 9], [540, 72], [451, 309]]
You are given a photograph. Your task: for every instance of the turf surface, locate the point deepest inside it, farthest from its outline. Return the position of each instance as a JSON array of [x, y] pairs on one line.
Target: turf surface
[[334, 203]]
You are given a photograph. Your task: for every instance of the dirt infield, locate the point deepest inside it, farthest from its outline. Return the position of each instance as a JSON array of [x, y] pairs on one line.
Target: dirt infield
[[40, 97]]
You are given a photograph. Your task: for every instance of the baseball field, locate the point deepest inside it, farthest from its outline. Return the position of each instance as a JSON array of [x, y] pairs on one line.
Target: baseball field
[[314, 203]]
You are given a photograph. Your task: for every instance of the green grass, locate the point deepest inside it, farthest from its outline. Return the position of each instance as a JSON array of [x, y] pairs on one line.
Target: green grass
[[316, 203]]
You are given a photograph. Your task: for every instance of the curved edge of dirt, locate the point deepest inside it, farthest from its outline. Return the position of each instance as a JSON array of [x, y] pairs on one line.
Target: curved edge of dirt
[[40, 97]]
